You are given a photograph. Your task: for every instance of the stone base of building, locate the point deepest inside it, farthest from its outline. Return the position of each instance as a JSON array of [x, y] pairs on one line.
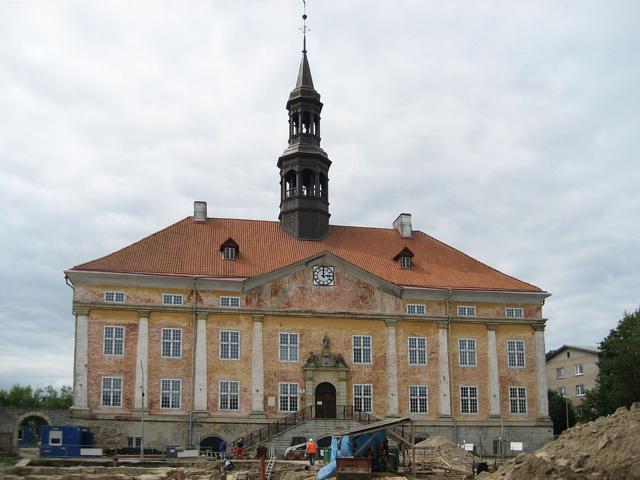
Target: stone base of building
[[160, 431]]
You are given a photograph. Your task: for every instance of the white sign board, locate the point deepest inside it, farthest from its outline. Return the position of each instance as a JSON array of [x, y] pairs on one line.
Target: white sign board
[[516, 446], [271, 401], [188, 453], [468, 447], [319, 402], [90, 452]]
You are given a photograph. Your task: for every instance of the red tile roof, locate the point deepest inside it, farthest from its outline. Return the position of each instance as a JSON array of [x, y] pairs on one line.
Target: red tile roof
[[190, 248]]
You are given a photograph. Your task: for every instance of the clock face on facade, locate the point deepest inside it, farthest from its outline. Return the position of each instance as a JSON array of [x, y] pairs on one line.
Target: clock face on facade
[[323, 276]]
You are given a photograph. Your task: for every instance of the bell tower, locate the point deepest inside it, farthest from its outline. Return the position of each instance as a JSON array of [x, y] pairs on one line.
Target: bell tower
[[304, 166]]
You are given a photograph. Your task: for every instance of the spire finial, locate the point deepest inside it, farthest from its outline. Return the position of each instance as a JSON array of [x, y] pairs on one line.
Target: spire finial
[[304, 29]]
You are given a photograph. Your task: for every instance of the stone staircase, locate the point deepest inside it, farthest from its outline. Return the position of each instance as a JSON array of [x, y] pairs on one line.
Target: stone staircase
[[315, 428]]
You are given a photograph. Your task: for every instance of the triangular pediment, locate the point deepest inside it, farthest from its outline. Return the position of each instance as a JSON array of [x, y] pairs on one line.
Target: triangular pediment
[[323, 282]]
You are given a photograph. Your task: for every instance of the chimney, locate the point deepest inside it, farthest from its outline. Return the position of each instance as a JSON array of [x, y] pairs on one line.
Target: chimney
[[199, 211], [403, 225]]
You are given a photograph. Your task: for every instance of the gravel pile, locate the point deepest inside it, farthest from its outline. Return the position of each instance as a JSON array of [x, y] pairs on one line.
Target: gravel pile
[[440, 452], [605, 449]]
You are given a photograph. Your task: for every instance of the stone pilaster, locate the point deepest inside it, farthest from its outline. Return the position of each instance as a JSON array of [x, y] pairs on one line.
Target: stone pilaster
[[444, 400], [541, 374], [392, 370], [142, 361], [80, 367], [257, 368], [492, 368], [200, 380]]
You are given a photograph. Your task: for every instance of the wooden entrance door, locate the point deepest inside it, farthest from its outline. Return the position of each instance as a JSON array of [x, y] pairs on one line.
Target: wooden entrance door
[[325, 400]]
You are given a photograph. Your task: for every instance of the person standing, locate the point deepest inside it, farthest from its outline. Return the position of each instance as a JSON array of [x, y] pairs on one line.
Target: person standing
[[222, 449], [312, 451]]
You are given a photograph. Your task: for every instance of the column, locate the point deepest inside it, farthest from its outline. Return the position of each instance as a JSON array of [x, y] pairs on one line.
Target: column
[[392, 370], [200, 380], [257, 368], [443, 370], [541, 374], [492, 365], [80, 367], [142, 361]]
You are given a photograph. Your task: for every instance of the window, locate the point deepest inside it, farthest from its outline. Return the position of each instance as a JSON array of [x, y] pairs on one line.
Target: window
[[579, 369], [288, 347], [416, 309], [229, 395], [172, 299], [288, 397], [511, 312], [362, 397], [418, 399], [468, 399], [229, 253], [113, 341], [55, 437], [417, 350], [568, 354], [134, 442], [114, 297], [171, 343], [170, 389], [560, 372], [562, 391], [229, 345], [518, 400], [466, 311], [20, 434], [579, 390], [111, 391], [230, 302], [361, 349], [515, 353], [405, 262], [467, 352]]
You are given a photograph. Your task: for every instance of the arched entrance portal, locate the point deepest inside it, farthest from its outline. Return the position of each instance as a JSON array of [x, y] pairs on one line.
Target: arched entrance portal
[[27, 429], [325, 400], [211, 443]]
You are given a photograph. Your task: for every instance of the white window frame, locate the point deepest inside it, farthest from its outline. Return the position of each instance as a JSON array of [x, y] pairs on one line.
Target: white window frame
[[419, 351], [291, 350], [419, 398], [230, 302], [172, 299], [518, 356], [518, 399], [514, 312], [229, 253], [364, 398], [134, 442], [405, 261], [174, 402], [113, 340], [288, 397], [55, 435], [229, 343], [227, 396], [416, 309], [466, 310], [114, 393], [111, 296], [468, 401], [174, 344], [362, 349], [562, 391], [559, 372], [580, 390], [470, 355], [578, 369]]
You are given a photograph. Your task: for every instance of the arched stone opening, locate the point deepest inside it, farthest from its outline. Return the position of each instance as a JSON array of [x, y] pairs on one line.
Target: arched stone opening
[[211, 443], [27, 429]]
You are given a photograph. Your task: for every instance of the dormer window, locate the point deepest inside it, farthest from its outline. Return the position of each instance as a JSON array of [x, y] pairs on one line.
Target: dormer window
[[404, 258], [230, 249]]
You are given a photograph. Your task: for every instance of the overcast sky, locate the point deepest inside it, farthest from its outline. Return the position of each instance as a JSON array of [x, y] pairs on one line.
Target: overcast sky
[[510, 130]]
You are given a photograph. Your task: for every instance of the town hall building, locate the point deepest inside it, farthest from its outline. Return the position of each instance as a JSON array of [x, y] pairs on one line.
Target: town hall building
[[215, 327]]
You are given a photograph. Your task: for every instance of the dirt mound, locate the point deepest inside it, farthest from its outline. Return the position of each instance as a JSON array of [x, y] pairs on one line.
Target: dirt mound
[[607, 448], [441, 453]]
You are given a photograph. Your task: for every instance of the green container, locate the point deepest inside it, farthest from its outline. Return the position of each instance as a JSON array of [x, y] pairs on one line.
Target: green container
[[327, 455]]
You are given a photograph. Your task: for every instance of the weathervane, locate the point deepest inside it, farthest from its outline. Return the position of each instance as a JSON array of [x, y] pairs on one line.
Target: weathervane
[[304, 29]]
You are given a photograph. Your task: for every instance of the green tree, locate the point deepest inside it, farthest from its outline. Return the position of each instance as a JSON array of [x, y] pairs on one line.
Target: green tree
[[28, 397], [618, 382], [559, 408]]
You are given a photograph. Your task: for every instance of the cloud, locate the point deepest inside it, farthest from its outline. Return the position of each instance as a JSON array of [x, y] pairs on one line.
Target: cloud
[[507, 129]]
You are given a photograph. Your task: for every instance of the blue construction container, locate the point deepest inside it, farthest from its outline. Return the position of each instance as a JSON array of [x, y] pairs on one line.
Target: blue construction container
[[26, 436], [64, 441]]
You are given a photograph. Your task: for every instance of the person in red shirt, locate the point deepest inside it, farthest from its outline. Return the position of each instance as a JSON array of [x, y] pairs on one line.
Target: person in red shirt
[[312, 451]]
